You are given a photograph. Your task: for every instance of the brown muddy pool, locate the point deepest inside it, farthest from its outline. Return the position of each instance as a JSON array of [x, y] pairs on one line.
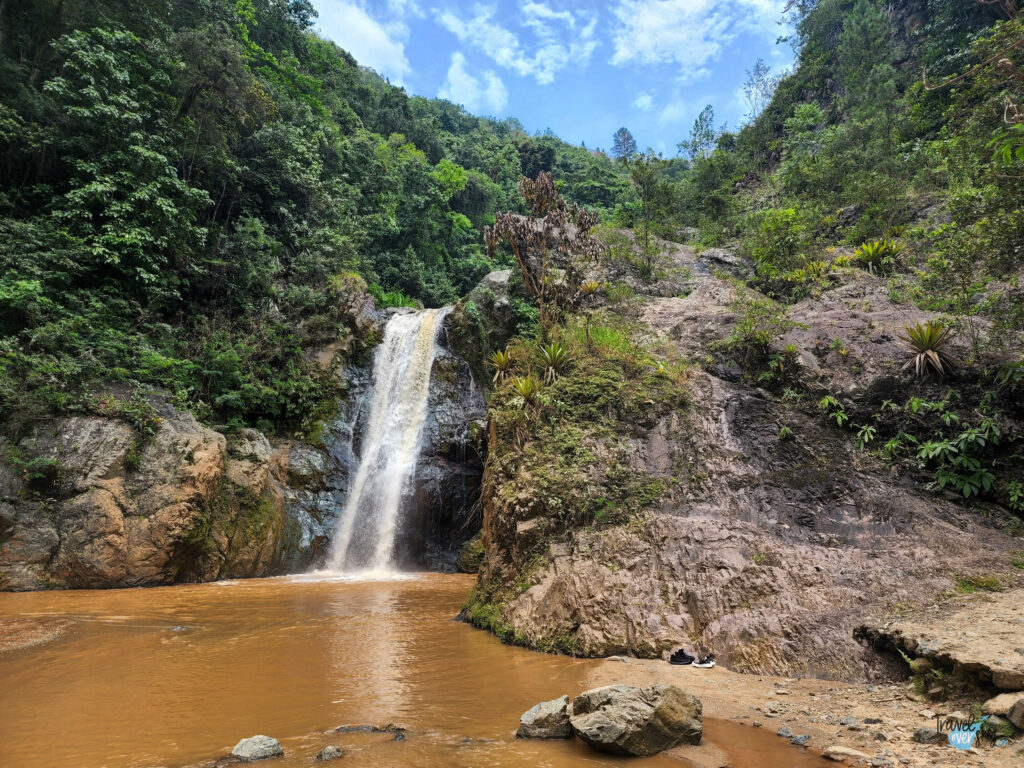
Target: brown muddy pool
[[175, 676]]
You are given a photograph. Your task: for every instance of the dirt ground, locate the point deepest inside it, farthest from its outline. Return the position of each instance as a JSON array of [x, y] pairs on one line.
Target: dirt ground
[[814, 708]]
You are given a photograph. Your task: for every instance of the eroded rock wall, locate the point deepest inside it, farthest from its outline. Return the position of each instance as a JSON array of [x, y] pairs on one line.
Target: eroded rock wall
[[775, 536]]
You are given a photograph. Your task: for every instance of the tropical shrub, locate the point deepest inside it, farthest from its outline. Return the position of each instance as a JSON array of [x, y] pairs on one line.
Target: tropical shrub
[[879, 256]]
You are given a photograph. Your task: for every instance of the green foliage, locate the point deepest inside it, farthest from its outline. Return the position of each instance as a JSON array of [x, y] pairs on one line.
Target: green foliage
[[957, 462], [776, 237], [383, 299], [967, 585], [501, 361], [188, 190], [528, 389], [760, 322]]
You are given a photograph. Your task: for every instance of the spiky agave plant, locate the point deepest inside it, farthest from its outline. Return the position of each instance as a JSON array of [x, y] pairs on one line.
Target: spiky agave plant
[[926, 342], [555, 358], [501, 362]]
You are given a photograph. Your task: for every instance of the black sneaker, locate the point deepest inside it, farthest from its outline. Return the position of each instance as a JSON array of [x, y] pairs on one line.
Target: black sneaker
[[681, 657], [706, 662]]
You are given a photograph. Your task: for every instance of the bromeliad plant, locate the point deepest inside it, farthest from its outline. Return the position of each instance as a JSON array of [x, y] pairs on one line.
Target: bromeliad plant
[[527, 388], [501, 361], [879, 256], [927, 343], [556, 359]]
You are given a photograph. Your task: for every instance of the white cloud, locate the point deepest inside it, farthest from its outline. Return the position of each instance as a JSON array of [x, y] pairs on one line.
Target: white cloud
[[644, 101], [559, 38], [687, 33], [464, 88], [379, 44]]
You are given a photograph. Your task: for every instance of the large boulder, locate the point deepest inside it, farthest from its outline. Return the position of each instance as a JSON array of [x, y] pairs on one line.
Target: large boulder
[[624, 720], [547, 720]]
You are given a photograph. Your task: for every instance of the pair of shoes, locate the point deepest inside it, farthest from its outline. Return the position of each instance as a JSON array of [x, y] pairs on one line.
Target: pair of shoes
[[706, 662], [681, 657]]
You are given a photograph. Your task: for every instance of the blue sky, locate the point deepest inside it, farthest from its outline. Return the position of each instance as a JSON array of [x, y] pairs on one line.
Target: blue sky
[[582, 69]]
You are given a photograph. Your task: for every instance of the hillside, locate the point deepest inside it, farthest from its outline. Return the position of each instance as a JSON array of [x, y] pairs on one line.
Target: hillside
[[187, 187]]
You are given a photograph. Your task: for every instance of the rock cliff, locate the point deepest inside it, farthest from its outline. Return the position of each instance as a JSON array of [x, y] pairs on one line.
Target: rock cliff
[[773, 535]]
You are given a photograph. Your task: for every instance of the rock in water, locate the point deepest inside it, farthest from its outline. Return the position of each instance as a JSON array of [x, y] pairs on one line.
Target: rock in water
[[624, 720], [547, 720], [257, 748], [329, 753]]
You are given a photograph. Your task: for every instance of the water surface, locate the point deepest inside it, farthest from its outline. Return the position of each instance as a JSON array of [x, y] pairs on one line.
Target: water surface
[[175, 676]]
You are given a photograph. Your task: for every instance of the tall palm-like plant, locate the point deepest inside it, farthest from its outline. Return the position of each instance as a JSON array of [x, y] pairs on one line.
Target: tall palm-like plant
[[927, 342]]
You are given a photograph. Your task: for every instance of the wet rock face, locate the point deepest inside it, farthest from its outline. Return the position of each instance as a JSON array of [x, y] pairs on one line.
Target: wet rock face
[[438, 520], [124, 510], [314, 480], [624, 720]]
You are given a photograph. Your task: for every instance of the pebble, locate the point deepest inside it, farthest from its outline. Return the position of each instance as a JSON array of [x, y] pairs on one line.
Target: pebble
[[784, 732], [801, 740], [329, 753]]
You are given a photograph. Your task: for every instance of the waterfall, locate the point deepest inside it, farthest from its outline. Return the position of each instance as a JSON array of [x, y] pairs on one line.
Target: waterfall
[[365, 536]]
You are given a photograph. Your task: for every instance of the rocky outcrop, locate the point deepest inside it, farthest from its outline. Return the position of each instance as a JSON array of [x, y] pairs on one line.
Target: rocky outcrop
[[978, 637], [124, 509], [624, 720], [761, 550]]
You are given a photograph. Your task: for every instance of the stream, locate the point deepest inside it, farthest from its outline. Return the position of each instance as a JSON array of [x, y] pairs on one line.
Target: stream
[[175, 676]]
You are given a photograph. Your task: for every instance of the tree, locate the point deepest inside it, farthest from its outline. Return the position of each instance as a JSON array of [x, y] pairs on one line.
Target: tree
[[623, 144], [758, 88], [702, 135], [645, 174]]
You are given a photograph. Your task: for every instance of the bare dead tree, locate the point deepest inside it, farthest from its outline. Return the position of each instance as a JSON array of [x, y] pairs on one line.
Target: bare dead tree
[[551, 246]]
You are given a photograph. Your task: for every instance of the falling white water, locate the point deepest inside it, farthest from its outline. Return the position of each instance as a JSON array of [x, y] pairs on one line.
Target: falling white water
[[365, 536]]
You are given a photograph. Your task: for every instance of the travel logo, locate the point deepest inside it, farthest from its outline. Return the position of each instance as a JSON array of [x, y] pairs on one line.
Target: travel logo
[[964, 733]]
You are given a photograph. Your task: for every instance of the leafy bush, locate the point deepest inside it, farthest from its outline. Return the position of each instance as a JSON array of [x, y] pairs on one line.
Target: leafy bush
[[775, 238]]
